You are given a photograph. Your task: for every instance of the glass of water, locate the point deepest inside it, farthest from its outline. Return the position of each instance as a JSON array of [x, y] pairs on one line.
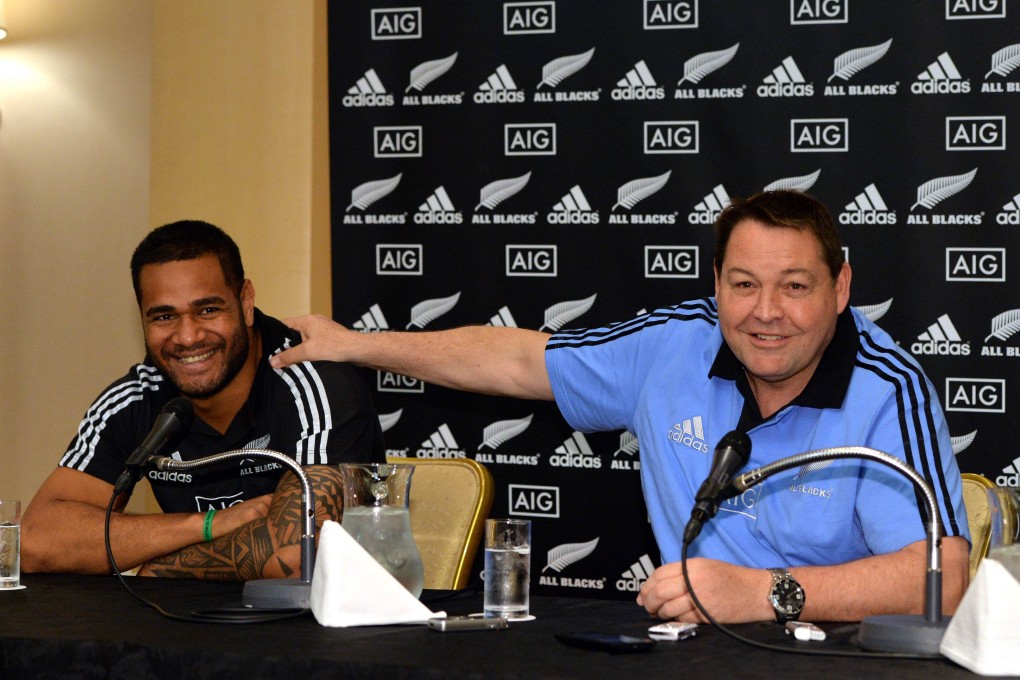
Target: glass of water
[[10, 545], [507, 568]]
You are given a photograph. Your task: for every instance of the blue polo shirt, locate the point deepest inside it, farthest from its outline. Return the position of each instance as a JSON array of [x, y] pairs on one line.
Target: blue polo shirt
[[668, 377]]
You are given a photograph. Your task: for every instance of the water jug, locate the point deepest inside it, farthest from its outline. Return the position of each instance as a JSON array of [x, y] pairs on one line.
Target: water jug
[[376, 515]]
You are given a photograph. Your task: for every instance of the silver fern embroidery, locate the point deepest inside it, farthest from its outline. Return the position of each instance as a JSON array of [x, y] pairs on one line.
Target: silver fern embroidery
[[1005, 60], [388, 420], [934, 191], [563, 556], [368, 193], [1005, 325], [500, 432], [849, 63], [635, 191], [875, 312], [564, 312], [494, 193], [425, 73], [962, 442], [428, 311], [557, 70], [801, 183], [700, 65]]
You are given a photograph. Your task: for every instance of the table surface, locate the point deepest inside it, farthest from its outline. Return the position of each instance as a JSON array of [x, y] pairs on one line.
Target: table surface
[[90, 627]]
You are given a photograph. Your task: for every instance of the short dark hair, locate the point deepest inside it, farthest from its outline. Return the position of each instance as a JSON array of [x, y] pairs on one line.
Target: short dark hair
[[782, 208], [188, 240]]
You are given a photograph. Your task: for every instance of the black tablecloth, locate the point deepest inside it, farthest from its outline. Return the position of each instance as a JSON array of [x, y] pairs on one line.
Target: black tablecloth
[[89, 627]]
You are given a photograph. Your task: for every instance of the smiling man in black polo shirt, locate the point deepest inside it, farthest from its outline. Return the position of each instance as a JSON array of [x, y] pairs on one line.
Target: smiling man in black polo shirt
[[206, 341]]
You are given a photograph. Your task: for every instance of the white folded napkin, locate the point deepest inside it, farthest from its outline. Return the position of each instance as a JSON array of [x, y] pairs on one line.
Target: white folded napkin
[[984, 634], [349, 588]]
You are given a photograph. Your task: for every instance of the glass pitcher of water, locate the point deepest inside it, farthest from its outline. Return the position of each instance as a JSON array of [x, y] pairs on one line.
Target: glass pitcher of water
[[376, 515]]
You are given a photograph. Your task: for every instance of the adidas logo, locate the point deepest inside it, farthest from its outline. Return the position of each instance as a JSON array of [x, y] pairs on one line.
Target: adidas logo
[[690, 433], [630, 581], [940, 77], [499, 88], [1010, 475], [786, 80], [868, 207], [707, 211], [1010, 212], [573, 208], [503, 318], [441, 444], [368, 91], [575, 453], [438, 209], [941, 339], [638, 84], [371, 321]]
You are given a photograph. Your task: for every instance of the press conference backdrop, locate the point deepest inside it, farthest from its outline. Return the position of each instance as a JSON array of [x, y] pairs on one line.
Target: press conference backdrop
[[558, 164]]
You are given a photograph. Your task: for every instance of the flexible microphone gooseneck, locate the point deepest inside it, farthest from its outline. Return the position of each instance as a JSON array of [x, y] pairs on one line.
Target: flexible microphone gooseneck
[[897, 635], [174, 417], [731, 453]]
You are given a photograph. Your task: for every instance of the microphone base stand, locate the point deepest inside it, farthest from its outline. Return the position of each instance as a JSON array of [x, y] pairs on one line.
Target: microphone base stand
[[907, 633], [283, 593]]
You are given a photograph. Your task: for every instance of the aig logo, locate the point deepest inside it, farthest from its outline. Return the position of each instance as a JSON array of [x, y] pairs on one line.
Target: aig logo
[[396, 23], [393, 382], [976, 264], [671, 136], [819, 11], [397, 141], [398, 259], [671, 262], [975, 9], [522, 18], [809, 135], [984, 395], [534, 501], [530, 260], [529, 139], [671, 14], [975, 133]]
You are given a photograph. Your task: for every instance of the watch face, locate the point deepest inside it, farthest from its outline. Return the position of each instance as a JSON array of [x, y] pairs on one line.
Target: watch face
[[788, 596]]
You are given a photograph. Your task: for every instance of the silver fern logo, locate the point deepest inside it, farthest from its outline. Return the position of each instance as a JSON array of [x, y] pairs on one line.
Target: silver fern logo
[[934, 191], [495, 193], [427, 311], [1005, 325], [502, 431], [558, 70], [562, 556], [700, 66], [1004, 62], [388, 420], [637, 190], [876, 311], [628, 449], [562, 313], [368, 193], [795, 183], [961, 443], [425, 74], [850, 63]]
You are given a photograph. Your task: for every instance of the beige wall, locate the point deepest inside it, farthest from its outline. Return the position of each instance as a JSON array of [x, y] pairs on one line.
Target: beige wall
[[119, 115]]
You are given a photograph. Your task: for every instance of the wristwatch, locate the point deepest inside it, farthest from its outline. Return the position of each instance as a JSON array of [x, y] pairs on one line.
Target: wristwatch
[[786, 596]]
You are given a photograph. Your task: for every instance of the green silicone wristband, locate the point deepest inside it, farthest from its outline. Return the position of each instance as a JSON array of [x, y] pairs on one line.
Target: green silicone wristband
[[207, 527]]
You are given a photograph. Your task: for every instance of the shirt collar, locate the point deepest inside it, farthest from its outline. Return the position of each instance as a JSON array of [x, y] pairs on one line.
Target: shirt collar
[[828, 386]]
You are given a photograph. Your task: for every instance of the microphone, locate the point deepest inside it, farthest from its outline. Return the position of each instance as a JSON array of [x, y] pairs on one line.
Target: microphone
[[173, 418], [731, 453]]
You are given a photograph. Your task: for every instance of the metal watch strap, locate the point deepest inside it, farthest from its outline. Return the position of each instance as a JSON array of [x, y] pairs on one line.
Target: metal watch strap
[[779, 575]]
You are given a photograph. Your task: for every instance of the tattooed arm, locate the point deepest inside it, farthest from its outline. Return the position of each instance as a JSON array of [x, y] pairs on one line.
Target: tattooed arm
[[268, 547]]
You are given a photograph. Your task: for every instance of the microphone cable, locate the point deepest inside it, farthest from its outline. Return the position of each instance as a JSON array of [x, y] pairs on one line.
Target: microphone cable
[[227, 615], [790, 650]]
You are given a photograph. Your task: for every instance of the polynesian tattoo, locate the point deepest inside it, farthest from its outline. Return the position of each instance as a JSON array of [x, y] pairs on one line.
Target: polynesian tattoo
[[270, 543]]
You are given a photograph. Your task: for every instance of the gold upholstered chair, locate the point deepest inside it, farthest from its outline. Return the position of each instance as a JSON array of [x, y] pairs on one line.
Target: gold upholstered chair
[[975, 497], [450, 500]]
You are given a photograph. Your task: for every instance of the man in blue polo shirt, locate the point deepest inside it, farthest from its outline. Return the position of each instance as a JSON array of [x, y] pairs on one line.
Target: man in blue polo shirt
[[778, 354]]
